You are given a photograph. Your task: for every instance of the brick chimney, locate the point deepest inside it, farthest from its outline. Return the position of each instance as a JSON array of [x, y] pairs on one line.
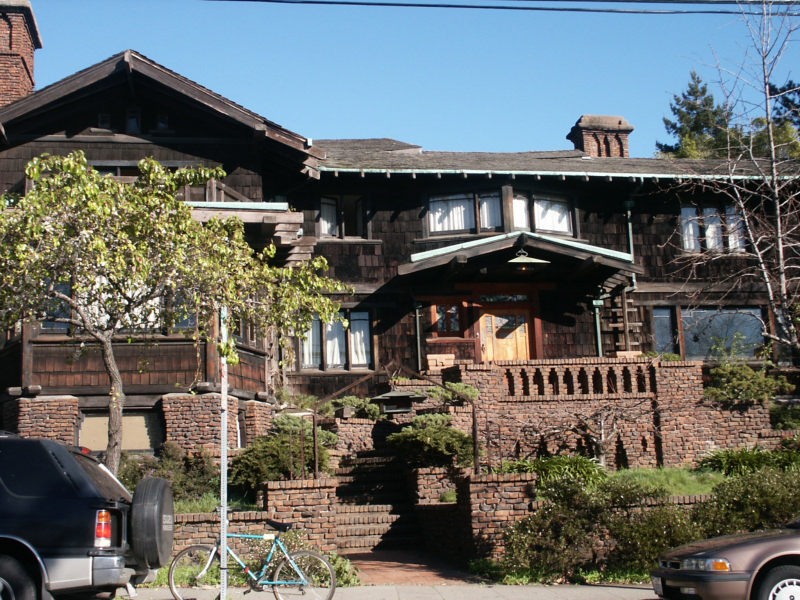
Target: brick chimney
[[601, 136], [19, 39]]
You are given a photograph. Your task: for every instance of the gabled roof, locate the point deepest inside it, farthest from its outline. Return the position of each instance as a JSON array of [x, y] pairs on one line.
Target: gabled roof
[[381, 156], [131, 62]]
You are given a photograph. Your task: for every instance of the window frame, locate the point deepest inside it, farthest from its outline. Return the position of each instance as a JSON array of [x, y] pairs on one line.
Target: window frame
[[531, 197], [340, 228], [711, 228], [322, 334], [453, 311], [679, 317], [474, 199]]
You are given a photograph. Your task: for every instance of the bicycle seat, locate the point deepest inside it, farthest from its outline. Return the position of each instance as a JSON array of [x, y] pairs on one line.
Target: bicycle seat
[[278, 526]]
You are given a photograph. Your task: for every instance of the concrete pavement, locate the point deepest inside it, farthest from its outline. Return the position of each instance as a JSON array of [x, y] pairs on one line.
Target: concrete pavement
[[441, 592]]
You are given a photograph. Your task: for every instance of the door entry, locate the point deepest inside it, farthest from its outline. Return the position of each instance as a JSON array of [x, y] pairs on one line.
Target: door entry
[[504, 335]]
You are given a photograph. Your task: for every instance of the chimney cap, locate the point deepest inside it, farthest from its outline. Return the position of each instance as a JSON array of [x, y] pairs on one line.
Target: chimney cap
[[603, 122], [24, 6]]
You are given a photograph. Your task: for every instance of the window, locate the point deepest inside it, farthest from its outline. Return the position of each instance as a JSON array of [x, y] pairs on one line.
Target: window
[[448, 319], [739, 329], [57, 309], [341, 217], [332, 346], [711, 229], [133, 120], [467, 212], [548, 213]]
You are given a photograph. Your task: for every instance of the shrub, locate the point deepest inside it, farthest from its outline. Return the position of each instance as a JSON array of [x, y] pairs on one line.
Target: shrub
[[557, 539], [364, 408], [430, 441], [570, 466], [287, 453], [453, 393], [784, 416], [191, 474], [761, 499], [741, 461]]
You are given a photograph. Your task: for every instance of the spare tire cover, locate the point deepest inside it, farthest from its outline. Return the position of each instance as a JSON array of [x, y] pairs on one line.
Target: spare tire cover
[[152, 522]]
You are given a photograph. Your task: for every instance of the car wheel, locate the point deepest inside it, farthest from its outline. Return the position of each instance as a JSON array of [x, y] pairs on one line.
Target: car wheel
[[15, 582], [152, 522], [781, 583]]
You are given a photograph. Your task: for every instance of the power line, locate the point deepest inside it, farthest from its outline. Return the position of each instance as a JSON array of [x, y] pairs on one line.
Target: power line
[[626, 11]]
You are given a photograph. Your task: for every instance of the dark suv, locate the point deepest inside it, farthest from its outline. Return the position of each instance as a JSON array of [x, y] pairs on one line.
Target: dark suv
[[69, 527]]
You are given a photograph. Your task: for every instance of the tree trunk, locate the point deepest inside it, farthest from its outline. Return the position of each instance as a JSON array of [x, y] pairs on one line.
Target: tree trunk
[[116, 403]]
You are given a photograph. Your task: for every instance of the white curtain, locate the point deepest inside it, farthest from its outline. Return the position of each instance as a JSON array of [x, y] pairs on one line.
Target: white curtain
[[552, 214], [360, 340], [690, 229], [335, 345], [451, 213], [713, 225], [491, 211], [522, 219], [735, 229], [327, 217], [310, 350]]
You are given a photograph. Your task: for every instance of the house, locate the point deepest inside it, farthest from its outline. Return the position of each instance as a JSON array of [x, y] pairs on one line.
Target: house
[[546, 273]]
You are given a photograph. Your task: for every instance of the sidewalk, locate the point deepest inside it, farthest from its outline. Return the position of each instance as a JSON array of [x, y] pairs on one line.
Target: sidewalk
[[440, 592]]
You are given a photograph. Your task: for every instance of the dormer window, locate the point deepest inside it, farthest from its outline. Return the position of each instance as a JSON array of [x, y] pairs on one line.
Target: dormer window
[[549, 214], [104, 120], [133, 120], [467, 212]]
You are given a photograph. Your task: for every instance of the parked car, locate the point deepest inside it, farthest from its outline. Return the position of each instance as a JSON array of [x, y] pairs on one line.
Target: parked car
[[751, 566], [69, 527]]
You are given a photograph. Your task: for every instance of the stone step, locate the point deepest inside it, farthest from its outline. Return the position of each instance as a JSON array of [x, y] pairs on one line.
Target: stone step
[[374, 508], [368, 518], [368, 543]]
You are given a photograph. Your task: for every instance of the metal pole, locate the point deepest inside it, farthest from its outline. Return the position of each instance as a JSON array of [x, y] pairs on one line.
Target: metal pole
[[223, 460]]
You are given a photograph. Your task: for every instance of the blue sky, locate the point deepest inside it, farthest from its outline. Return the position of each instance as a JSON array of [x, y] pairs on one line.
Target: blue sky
[[445, 79]]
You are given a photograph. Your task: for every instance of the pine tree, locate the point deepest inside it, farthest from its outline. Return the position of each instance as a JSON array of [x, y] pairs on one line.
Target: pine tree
[[700, 124]]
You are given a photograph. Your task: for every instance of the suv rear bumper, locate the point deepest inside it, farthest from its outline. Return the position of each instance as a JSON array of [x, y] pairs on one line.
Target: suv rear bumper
[[87, 572]]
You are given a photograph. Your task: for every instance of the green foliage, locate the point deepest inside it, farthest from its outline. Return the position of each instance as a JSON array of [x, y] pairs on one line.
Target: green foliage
[[676, 481], [364, 408], [563, 466], [346, 571], [665, 356], [453, 393], [287, 453], [736, 384], [448, 496], [760, 499], [191, 474], [784, 416], [700, 124], [106, 257], [742, 461], [430, 441]]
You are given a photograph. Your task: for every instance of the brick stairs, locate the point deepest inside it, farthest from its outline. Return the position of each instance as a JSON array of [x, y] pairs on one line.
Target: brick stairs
[[375, 509]]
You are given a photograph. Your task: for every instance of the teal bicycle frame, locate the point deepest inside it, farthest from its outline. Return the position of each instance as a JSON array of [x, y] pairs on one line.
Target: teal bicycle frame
[[257, 579]]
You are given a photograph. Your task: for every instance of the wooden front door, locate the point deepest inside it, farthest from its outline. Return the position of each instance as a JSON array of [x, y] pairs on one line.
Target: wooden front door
[[504, 334]]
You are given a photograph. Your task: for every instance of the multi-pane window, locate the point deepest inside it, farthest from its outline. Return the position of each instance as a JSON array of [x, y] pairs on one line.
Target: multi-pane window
[[332, 346], [711, 229], [465, 212], [549, 214], [448, 319], [737, 331], [341, 217]]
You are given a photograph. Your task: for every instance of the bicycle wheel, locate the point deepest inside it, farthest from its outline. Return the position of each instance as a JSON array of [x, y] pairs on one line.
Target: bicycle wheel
[[317, 571], [185, 568]]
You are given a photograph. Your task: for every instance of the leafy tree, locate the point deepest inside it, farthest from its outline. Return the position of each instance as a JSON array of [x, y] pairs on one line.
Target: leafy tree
[[109, 258], [700, 124]]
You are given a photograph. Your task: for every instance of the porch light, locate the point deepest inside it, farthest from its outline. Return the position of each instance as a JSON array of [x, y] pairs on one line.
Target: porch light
[[523, 262]]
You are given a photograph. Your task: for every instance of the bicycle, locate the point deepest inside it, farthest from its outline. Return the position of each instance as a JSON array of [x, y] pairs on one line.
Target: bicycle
[[302, 573]]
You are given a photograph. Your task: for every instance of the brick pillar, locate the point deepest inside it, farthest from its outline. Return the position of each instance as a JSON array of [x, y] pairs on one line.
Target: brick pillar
[[51, 417], [19, 39]]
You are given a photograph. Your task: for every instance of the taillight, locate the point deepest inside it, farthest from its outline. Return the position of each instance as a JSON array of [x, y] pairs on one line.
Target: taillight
[[102, 529]]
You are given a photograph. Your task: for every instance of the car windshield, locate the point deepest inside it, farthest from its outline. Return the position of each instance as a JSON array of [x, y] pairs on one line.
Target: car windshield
[[108, 485]]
